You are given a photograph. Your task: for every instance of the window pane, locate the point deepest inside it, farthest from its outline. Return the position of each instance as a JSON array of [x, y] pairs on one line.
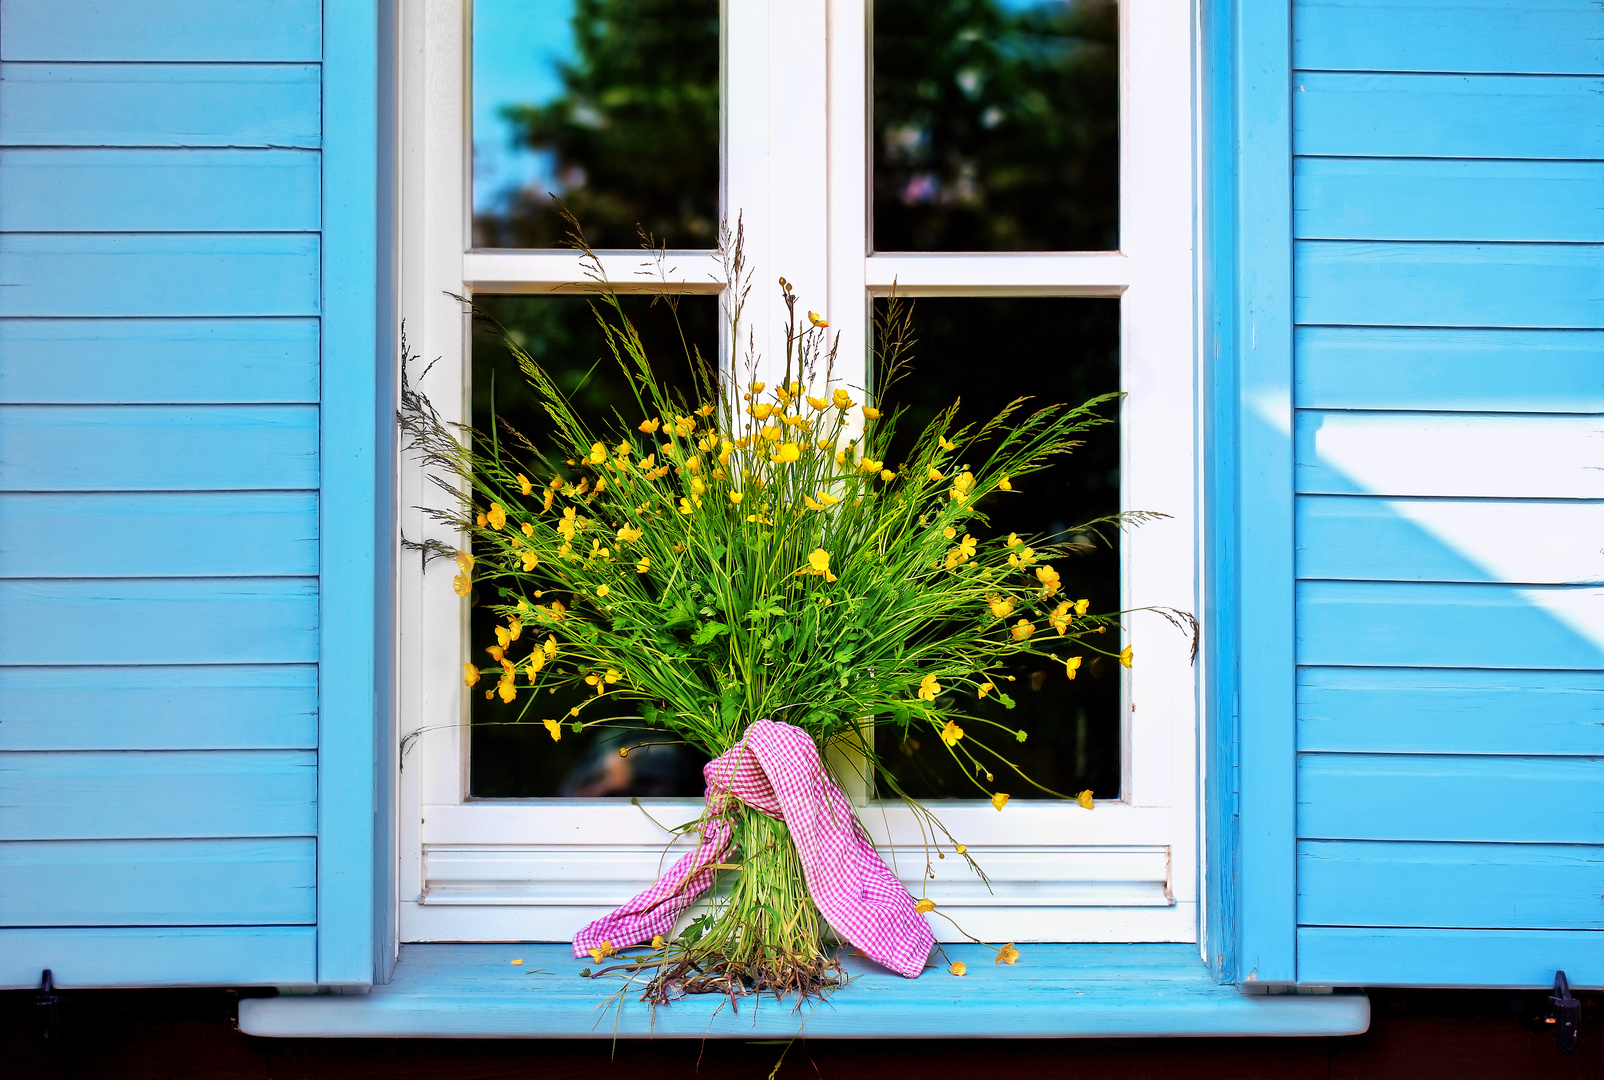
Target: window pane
[[512, 757], [988, 352], [996, 125], [612, 105]]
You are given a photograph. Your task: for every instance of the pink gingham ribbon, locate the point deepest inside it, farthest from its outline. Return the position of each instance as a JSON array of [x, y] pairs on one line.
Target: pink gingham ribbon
[[775, 769]]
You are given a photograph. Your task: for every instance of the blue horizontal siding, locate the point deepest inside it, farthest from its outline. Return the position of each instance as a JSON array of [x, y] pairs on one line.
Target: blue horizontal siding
[[1449, 711], [1442, 370], [1550, 800], [194, 105], [161, 30], [1499, 886], [1434, 199], [196, 707], [92, 190], [189, 534], [157, 956], [134, 361], [128, 794], [1469, 116], [149, 447], [1344, 537], [1429, 624], [1363, 283], [183, 621], [66, 274], [1545, 36], [1367, 956], [158, 882]]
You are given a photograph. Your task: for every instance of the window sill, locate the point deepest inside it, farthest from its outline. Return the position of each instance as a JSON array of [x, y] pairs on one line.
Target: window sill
[[1055, 991]]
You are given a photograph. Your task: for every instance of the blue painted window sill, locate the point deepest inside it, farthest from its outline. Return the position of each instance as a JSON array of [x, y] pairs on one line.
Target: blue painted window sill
[[1055, 991]]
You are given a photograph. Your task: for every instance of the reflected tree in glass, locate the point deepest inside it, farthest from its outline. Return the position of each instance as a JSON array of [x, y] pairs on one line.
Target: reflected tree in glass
[[986, 352], [996, 125], [618, 116]]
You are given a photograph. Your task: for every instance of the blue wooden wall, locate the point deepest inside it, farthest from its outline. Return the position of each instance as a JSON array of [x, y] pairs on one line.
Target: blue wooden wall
[[1447, 216], [167, 286]]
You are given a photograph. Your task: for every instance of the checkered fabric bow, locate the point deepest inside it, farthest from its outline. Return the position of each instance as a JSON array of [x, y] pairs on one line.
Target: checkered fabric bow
[[775, 769]]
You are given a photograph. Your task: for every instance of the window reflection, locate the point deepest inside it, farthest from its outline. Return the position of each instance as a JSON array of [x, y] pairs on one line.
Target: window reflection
[[996, 125], [612, 105], [1053, 350], [513, 758]]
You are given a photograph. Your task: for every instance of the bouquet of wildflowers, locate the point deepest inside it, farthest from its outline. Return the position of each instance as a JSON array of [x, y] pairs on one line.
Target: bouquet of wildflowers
[[749, 570]]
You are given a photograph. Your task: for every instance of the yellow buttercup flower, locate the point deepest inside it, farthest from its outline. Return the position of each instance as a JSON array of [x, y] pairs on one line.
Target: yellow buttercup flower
[[949, 532], [606, 950], [1048, 578], [643, 566], [842, 400], [1071, 666], [684, 425], [947, 444], [648, 427], [1125, 656], [1022, 629], [598, 454], [925, 906], [788, 453], [1000, 607], [530, 560], [514, 628], [481, 519], [496, 652], [524, 485], [1013, 540], [1081, 606], [550, 647], [555, 729], [819, 564], [774, 432], [962, 485], [813, 317], [870, 414], [1007, 954], [470, 674], [760, 410], [1085, 799], [545, 503], [887, 475], [462, 585], [465, 562], [507, 691], [958, 967], [999, 800], [527, 528], [929, 689], [705, 411], [628, 534], [536, 661], [1061, 618], [496, 516], [821, 500], [602, 591], [985, 688], [569, 524], [869, 465], [685, 507], [503, 636], [736, 497], [951, 733], [1004, 485], [818, 403]]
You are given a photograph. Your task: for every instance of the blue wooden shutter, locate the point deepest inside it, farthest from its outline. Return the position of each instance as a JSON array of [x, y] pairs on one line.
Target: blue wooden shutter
[[187, 515], [1421, 681]]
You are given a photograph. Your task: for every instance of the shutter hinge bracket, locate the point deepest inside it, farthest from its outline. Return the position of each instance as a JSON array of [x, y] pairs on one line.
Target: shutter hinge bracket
[[1566, 1016], [46, 1012]]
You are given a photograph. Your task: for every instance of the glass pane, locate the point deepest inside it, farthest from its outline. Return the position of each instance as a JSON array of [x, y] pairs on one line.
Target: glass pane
[[1055, 350], [512, 759], [612, 105], [996, 125]]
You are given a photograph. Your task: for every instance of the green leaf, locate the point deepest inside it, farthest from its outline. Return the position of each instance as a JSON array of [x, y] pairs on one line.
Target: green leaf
[[707, 632]]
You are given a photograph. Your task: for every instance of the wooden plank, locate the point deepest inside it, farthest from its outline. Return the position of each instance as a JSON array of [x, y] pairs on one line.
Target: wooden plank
[[186, 621], [1537, 36], [139, 361], [158, 190], [1265, 868], [159, 708], [1462, 116], [1460, 798], [1435, 199], [1361, 956], [131, 794], [1499, 886], [1522, 542], [1442, 370], [1428, 624], [1450, 454], [195, 105], [148, 956], [1365, 283], [1054, 991], [189, 534], [1447, 711], [350, 533], [161, 30], [158, 882], [158, 274], [153, 447]]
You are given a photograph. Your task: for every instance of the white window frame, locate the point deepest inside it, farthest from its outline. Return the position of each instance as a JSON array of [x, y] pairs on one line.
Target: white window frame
[[796, 159]]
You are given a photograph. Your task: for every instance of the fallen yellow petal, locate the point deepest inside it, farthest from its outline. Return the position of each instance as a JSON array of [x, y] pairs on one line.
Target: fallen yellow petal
[[1085, 799], [517, 963]]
